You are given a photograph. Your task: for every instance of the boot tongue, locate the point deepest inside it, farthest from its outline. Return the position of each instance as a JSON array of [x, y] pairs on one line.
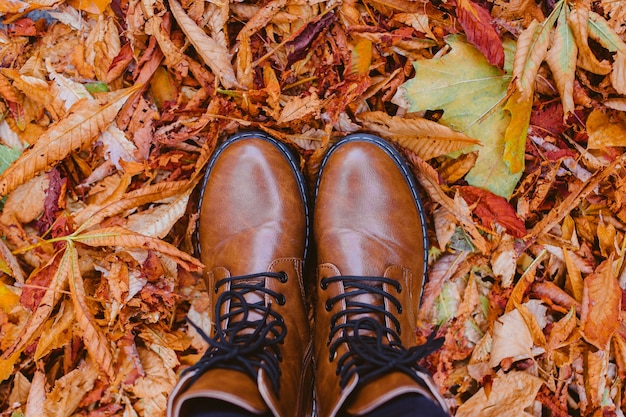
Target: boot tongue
[[252, 298], [369, 299]]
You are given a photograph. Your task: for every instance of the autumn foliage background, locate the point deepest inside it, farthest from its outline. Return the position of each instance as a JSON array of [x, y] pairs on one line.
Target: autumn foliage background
[[511, 114]]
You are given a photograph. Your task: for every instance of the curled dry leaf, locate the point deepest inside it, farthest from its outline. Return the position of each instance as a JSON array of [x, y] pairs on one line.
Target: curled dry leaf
[[561, 59], [36, 395], [158, 221], [511, 339], [532, 47], [84, 122], [606, 128], [214, 55], [578, 20], [426, 138]]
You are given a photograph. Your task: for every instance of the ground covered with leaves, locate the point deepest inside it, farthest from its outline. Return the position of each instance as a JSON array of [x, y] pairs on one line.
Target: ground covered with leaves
[[510, 112]]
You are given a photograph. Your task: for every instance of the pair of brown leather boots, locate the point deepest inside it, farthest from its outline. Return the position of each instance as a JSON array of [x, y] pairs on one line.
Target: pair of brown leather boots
[[370, 238]]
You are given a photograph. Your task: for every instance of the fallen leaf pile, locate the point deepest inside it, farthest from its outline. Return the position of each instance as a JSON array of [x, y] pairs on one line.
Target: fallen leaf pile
[[511, 114]]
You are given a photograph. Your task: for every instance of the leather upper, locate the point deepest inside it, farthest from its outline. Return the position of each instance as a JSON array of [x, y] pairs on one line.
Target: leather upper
[[367, 222], [253, 219]]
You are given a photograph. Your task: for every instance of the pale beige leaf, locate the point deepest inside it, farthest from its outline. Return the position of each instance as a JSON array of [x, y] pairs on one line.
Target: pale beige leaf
[[215, 55], [152, 390], [299, 106], [539, 339], [561, 59], [25, 203], [601, 305], [158, 221], [68, 90], [84, 122], [511, 339], [504, 261], [93, 214], [445, 225], [96, 343], [531, 50], [174, 58], [418, 21], [118, 236], [45, 307], [510, 395], [102, 45], [69, 390], [426, 138], [19, 392], [443, 269], [245, 75], [37, 395], [578, 21], [618, 76]]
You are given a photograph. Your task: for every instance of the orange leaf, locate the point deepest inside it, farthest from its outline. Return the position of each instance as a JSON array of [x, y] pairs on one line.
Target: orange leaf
[[602, 300], [90, 6], [476, 22], [118, 236], [84, 122], [96, 343]]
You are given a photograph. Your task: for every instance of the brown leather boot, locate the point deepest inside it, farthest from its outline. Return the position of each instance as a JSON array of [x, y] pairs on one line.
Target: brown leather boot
[[253, 235], [371, 239]]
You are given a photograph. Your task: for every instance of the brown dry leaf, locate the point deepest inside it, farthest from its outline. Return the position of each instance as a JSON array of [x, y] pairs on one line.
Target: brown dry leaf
[[95, 341], [26, 202], [574, 280], [595, 375], [215, 55], [45, 307], [510, 395], [298, 107], [102, 45], [578, 21], [152, 390], [118, 236], [57, 331], [445, 225], [606, 128], [426, 138], [69, 390], [261, 18], [601, 304], [93, 215], [607, 237], [524, 283], [559, 212], [428, 178], [83, 123], [562, 330], [504, 261]]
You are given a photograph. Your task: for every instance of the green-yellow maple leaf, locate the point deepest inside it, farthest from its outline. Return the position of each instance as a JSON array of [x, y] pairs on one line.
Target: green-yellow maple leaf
[[471, 92]]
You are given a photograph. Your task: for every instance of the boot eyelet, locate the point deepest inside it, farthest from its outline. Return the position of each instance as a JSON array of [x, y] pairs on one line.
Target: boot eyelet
[[328, 305], [399, 309], [281, 300], [283, 277], [323, 284], [216, 289]]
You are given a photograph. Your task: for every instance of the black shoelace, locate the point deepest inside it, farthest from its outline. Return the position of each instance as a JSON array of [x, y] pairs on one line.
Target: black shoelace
[[374, 349], [245, 345]]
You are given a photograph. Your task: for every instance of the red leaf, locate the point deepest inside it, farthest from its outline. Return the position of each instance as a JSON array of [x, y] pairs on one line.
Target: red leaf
[[299, 46], [491, 208], [476, 22], [36, 284]]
